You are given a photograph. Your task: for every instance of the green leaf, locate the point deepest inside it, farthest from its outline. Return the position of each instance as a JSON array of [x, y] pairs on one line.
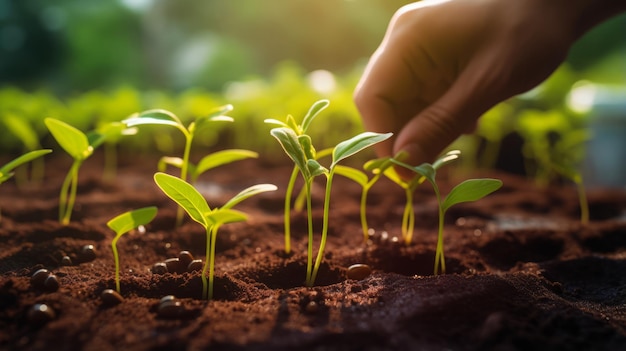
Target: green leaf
[[27, 157], [291, 124], [249, 192], [157, 116], [130, 220], [223, 216], [277, 122], [357, 143], [307, 146], [109, 131], [378, 165], [470, 190], [290, 143], [72, 140], [426, 170], [22, 130], [315, 109], [220, 112], [352, 173], [223, 157], [315, 168], [185, 195], [169, 161], [447, 158]]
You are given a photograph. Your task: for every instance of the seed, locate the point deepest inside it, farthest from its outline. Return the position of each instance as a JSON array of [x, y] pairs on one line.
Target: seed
[[311, 307], [174, 265], [167, 298], [111, 297], [195, 265], [169, 307], [185, 258], [39, 277], [87, 253], [66, 261], [159, 268], [359, 271], [40, 314], [51, 284]]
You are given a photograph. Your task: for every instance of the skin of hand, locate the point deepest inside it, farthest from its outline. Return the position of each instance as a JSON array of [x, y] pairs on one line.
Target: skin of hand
[[443, 63]]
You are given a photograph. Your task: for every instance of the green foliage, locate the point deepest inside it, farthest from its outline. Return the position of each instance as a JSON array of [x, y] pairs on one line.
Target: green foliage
[[469, 190], [187, 197], [6, 170], [299, 147], [123, 224], [79, 146]]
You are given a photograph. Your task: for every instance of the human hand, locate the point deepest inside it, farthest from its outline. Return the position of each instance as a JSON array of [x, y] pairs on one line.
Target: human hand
[[443, 63]]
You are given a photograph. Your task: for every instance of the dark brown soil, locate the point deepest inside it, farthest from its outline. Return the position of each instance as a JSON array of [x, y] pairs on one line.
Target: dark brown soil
[[522, 273]]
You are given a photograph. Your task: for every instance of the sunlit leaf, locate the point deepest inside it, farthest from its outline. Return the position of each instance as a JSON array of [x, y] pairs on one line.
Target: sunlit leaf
[[72, 140], [289, 142], [5, 171], [470, 190], [223, 157], [248, 192], [223, 216], [352, 173], [357, 143], [315, 109], [185, 195], [22, 130], [130, 220]]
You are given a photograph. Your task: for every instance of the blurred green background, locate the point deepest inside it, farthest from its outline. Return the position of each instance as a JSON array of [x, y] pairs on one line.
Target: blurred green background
[[77, 45]]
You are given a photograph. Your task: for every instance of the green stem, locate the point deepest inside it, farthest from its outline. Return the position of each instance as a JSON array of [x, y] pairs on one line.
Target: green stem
[[205, 267], [183, 173], [287, 220], [582, 199], [212, 259], [68, 193], [320, 253], [408, 218], [117, 264], [363, 211], [439, 256], [309, 264]]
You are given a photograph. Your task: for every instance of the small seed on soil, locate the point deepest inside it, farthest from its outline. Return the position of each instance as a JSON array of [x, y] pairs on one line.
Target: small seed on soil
[[159, 268], [66, 261], [40, 314], [195, 265], [167, 298], [111, 297], [39, 277], [185, 258], [359, 271], [87, 253], [169, 307], [175, 266], [311, 307], [51, 284]]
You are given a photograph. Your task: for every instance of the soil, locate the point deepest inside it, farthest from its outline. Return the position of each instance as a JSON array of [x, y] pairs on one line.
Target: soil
[[522, 272]]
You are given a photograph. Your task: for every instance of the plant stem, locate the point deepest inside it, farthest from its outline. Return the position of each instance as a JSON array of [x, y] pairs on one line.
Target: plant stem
[[408, 217], [205, 267], [183, 173], [309, 213], [287, 220], [363, 211], [320, 253], [582, 198], [212, 259], [439, 257], [68, 193], [117, 263]]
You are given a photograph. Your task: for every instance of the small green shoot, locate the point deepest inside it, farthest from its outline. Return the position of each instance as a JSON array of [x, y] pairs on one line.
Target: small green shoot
[[299, 148], [467, 191], [79, 146], [187, 197], [124, 223], [299, 131], [6, 170], [164, 117], [213, 160], [28, 136]]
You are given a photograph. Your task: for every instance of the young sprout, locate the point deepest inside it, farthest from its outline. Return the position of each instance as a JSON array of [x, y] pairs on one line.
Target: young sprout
[[299, 130], [79, 146], [301, 151], [124, 223], [467, 191], [164, 117], [213, 160], [28, 136], [187, 197]]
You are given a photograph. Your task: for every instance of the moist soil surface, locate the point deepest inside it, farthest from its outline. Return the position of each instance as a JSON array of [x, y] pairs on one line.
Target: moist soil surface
[[522, 273]]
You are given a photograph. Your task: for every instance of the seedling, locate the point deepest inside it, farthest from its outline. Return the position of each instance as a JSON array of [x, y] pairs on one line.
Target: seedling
[[467, 191], [124, 223], [216, 159], [164, 117], [301, 151], [187, 197], [28, 136], [299, 131], [382, 166], [79, 146]]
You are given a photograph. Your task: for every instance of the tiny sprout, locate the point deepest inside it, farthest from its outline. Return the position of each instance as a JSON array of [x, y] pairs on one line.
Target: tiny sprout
[[124, 223], [164, 117], [187, 197], [6, 170], [467, 191], [79, 146]]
